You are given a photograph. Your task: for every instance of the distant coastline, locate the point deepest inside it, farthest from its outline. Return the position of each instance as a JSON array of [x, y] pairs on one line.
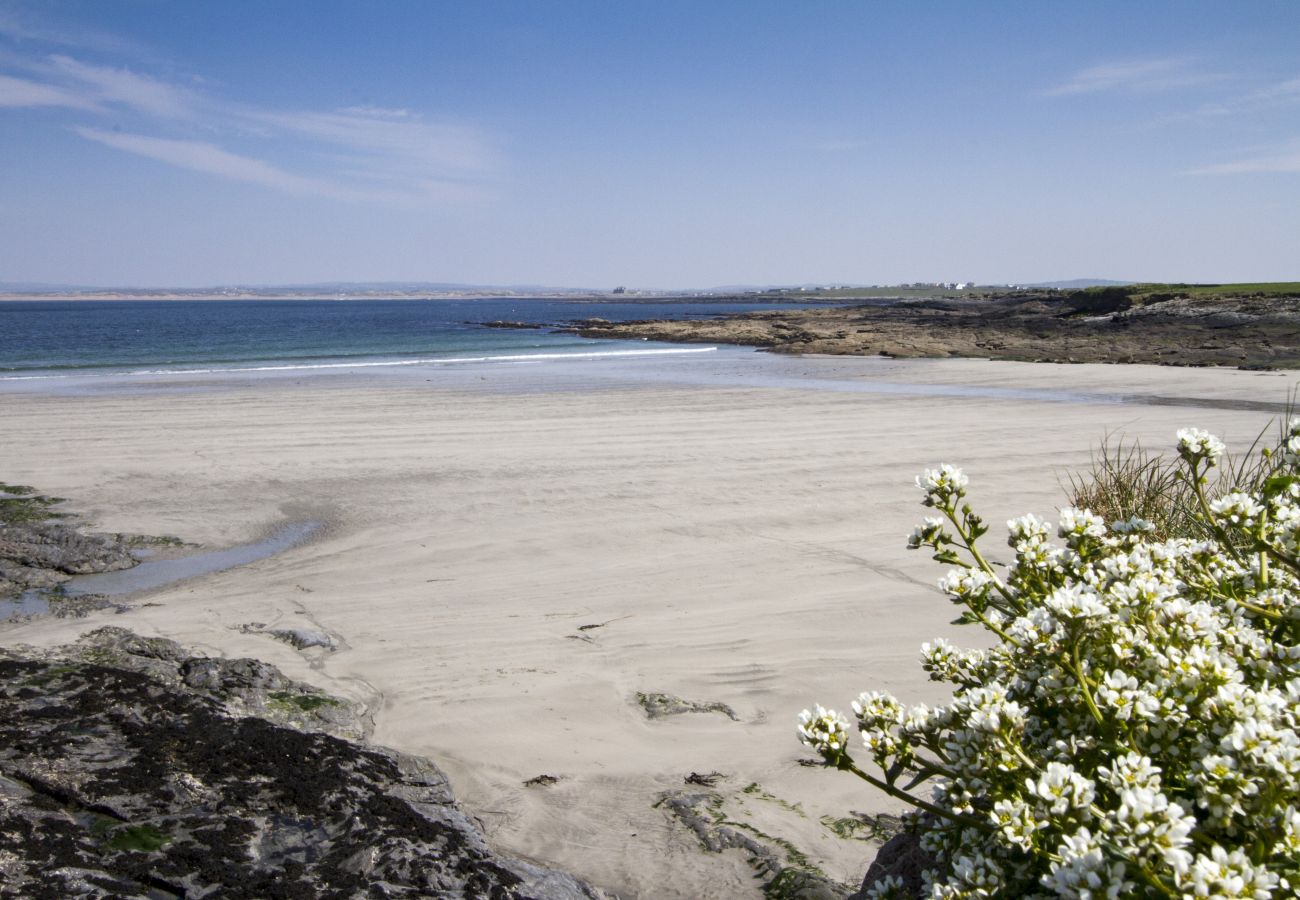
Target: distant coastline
[[570, 296], [399, 290]]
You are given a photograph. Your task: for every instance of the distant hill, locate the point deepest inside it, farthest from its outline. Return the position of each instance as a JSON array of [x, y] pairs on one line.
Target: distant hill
[[411, 287]]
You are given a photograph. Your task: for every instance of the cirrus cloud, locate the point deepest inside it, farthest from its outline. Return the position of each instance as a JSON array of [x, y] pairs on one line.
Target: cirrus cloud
[[367, 154]]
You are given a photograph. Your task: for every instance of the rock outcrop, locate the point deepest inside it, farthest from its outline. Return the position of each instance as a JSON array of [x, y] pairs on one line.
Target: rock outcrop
[[125, 771], [1048, 327], [47, 553]]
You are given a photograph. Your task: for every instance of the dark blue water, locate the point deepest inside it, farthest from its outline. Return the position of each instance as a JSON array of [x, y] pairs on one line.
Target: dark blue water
[[51, 336]]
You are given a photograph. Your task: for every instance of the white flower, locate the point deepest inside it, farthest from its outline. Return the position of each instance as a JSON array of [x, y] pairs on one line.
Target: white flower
[[1132, 525], [1237, 509], [1134, 717], [1063, 788], [964, 583], [942, 486], [1224, 873], [929, 533], [1080, 523], [824, 730], [1026, 528], [1076, 601], [1195, 444], [891, 887]]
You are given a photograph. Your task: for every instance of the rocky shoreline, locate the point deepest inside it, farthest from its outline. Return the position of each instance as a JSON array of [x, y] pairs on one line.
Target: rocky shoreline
[[1048, 326], [130, 768]]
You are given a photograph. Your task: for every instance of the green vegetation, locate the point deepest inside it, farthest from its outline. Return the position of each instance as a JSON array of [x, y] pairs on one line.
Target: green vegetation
[[755, 789], [1211, 291], [862, 827], [304, 702], [142, 838], [22, 505], [1125, 480], [1154, 292], [658, 705], [797, 872], [1131, 732]]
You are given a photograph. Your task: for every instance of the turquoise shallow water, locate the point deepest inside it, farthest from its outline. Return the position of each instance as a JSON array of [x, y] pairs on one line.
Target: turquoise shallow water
[[47, 337]]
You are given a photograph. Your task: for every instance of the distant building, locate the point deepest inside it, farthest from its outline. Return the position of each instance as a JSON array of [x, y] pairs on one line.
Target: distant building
[[620, 290]]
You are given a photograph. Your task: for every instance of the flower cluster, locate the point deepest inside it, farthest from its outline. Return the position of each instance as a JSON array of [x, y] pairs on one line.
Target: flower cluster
[[1133, 730]]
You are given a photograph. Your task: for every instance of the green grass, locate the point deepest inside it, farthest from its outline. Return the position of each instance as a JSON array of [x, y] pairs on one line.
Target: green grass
[[1126, 480], [1154, 291], [1242, 289]]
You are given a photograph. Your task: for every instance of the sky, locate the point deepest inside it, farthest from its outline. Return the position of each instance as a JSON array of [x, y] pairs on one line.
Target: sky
[[649, 144]]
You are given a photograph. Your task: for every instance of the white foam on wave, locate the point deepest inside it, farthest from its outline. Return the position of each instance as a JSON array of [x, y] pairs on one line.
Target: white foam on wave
[[434, 361]]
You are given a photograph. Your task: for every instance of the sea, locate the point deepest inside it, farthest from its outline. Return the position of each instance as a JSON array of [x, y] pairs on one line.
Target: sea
[[44, 339]]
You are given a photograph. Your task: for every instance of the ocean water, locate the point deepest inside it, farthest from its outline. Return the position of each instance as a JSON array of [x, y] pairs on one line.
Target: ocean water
[[49, 338]]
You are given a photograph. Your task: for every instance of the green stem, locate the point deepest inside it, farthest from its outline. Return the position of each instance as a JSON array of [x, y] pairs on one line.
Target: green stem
[[993, 628], [845, 763], [1083, 684], [1225, 540], [968, 544]]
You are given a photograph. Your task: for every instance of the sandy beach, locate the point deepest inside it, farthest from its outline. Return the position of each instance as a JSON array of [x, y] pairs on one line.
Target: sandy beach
[[733, 522]]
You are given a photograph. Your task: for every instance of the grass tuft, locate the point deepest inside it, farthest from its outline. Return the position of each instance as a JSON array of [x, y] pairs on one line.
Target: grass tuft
[[1126, 480]]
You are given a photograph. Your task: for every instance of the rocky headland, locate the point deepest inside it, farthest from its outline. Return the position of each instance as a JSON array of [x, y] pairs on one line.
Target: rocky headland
[[1112, 325]]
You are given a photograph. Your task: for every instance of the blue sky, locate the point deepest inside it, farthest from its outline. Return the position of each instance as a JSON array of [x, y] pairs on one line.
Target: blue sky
[[655, 144]]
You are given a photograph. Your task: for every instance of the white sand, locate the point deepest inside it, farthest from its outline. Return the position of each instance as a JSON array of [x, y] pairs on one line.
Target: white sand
[[743, 543]]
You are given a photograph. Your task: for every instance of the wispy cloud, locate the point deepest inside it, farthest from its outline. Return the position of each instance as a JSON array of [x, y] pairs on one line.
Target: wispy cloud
[[140, 92], [1261, 99], [1139, 75], [199, 156], [383, 134], [18, 26], [371, 154], [1281, 159], [19, 92]]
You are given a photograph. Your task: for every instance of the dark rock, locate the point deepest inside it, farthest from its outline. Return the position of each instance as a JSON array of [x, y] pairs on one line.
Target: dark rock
[[302, 638], [44, 554], [500, 323], [114, 782], [242, 686], [1032, 326], [902, 857]]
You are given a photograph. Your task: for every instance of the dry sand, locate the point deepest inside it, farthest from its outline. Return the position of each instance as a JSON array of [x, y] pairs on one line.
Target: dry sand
[[737, 521]]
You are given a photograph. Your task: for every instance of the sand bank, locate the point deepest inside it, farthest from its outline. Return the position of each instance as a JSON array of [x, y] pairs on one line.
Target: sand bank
[[735, 523]]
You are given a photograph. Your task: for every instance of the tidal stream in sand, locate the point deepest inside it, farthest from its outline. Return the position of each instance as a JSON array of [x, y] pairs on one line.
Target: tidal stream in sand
[[152, 574]]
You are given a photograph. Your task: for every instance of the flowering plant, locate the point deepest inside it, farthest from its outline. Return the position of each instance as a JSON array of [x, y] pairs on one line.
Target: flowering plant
[[1132, 732]]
